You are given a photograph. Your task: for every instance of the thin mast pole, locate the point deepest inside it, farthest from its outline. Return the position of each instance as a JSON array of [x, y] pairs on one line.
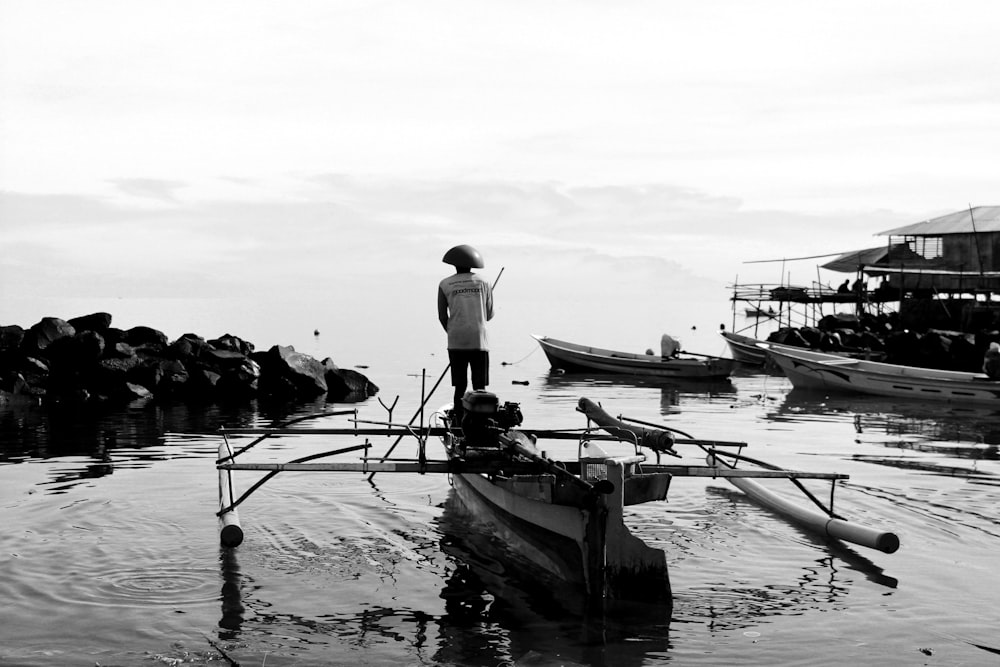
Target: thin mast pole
[[975, 236]]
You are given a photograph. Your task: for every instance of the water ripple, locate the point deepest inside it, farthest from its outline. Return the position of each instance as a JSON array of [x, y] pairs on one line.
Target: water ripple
[[165, 585]]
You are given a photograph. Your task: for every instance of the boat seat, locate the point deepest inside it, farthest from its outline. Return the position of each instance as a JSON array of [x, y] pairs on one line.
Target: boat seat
[[597, 468]]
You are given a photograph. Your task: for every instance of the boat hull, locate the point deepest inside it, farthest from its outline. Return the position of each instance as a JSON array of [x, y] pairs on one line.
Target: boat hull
[[815, 370], [574, 358], [747, 350], [574, 529], [549, 540], [744, 349]]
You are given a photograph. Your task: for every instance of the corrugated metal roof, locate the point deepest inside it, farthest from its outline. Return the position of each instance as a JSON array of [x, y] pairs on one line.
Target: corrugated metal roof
[[870, 258], [987, 219], [850, 262]]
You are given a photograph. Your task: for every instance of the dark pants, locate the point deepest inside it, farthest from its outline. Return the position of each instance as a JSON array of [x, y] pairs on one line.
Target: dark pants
[[462, 361]]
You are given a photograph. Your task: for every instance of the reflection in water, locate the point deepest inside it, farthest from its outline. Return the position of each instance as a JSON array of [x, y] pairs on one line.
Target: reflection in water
[[493, 599], [933, 428], [982, 452], [556, 382], [838, 551], [896, 416], [358, 628], [673, 392], [926, 466], [232, 595], [494, 612], [136, 436]]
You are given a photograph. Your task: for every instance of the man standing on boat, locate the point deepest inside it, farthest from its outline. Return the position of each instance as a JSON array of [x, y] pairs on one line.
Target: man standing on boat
[[465, 304]]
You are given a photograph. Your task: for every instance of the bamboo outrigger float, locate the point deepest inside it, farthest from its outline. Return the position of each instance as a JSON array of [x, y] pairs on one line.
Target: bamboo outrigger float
[[570, 511]]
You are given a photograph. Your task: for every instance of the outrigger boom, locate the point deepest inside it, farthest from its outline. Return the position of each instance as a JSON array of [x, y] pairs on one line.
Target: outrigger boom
[[452, 467], [511, 470]]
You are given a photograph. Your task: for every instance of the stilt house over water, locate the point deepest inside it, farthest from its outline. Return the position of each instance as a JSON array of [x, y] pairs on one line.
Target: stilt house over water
[[945, 272]]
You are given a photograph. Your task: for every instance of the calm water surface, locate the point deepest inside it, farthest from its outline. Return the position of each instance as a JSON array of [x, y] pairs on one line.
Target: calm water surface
[[109, 550]]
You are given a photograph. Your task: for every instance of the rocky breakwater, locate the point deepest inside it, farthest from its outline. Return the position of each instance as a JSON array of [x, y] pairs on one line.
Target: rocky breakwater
[[86, 359]]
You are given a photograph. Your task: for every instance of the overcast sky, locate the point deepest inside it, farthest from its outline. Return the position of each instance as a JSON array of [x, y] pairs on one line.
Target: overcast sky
[[152, 148]]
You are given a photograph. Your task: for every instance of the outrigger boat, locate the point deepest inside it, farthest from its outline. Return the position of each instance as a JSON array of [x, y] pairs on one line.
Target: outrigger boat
[[576, 358], [571, 511]]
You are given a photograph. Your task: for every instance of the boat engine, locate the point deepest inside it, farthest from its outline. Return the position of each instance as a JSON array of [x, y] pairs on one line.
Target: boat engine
[[484, 418]]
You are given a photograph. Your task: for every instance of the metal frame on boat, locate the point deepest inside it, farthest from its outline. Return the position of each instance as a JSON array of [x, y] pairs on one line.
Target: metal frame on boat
[[806, 369], [572, 511], [575, 358]]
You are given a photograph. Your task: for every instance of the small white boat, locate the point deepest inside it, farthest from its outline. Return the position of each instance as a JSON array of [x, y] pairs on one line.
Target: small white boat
[[575, 358], [760, 313], [806, 369]]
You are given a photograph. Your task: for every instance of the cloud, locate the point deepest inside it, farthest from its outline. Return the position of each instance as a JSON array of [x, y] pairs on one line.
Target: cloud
[[162, 190], [390, 233]]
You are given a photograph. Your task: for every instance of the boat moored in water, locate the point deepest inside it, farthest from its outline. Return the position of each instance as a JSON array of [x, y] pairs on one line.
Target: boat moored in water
[[745, 349], [807, 369], [576, 358]]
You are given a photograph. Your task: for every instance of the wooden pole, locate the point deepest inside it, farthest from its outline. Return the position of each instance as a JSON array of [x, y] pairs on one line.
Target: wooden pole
[[230, 531]]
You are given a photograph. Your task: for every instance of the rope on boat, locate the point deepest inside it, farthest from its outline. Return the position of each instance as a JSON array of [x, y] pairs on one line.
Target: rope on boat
[[534, 349]]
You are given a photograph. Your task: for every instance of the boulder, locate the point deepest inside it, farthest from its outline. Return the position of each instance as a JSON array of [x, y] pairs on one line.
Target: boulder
[[146, 337], [188, 346], [113, 337], [15, 384], [225, 359], [112, 376], [146, 371], [45, 332], [231, 343], [120, 350], [285, 372], [136, 391], [34, 371], [242, 380], [98, 322], [174, 377], [203, 382], [11, 337], [346, 384]]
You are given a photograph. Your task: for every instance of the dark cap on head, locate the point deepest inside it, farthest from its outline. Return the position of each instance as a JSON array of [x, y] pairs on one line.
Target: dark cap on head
[[464, 256]]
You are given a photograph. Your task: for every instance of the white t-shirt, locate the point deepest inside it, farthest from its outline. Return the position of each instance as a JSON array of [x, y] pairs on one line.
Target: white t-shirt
[[467, 298]]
